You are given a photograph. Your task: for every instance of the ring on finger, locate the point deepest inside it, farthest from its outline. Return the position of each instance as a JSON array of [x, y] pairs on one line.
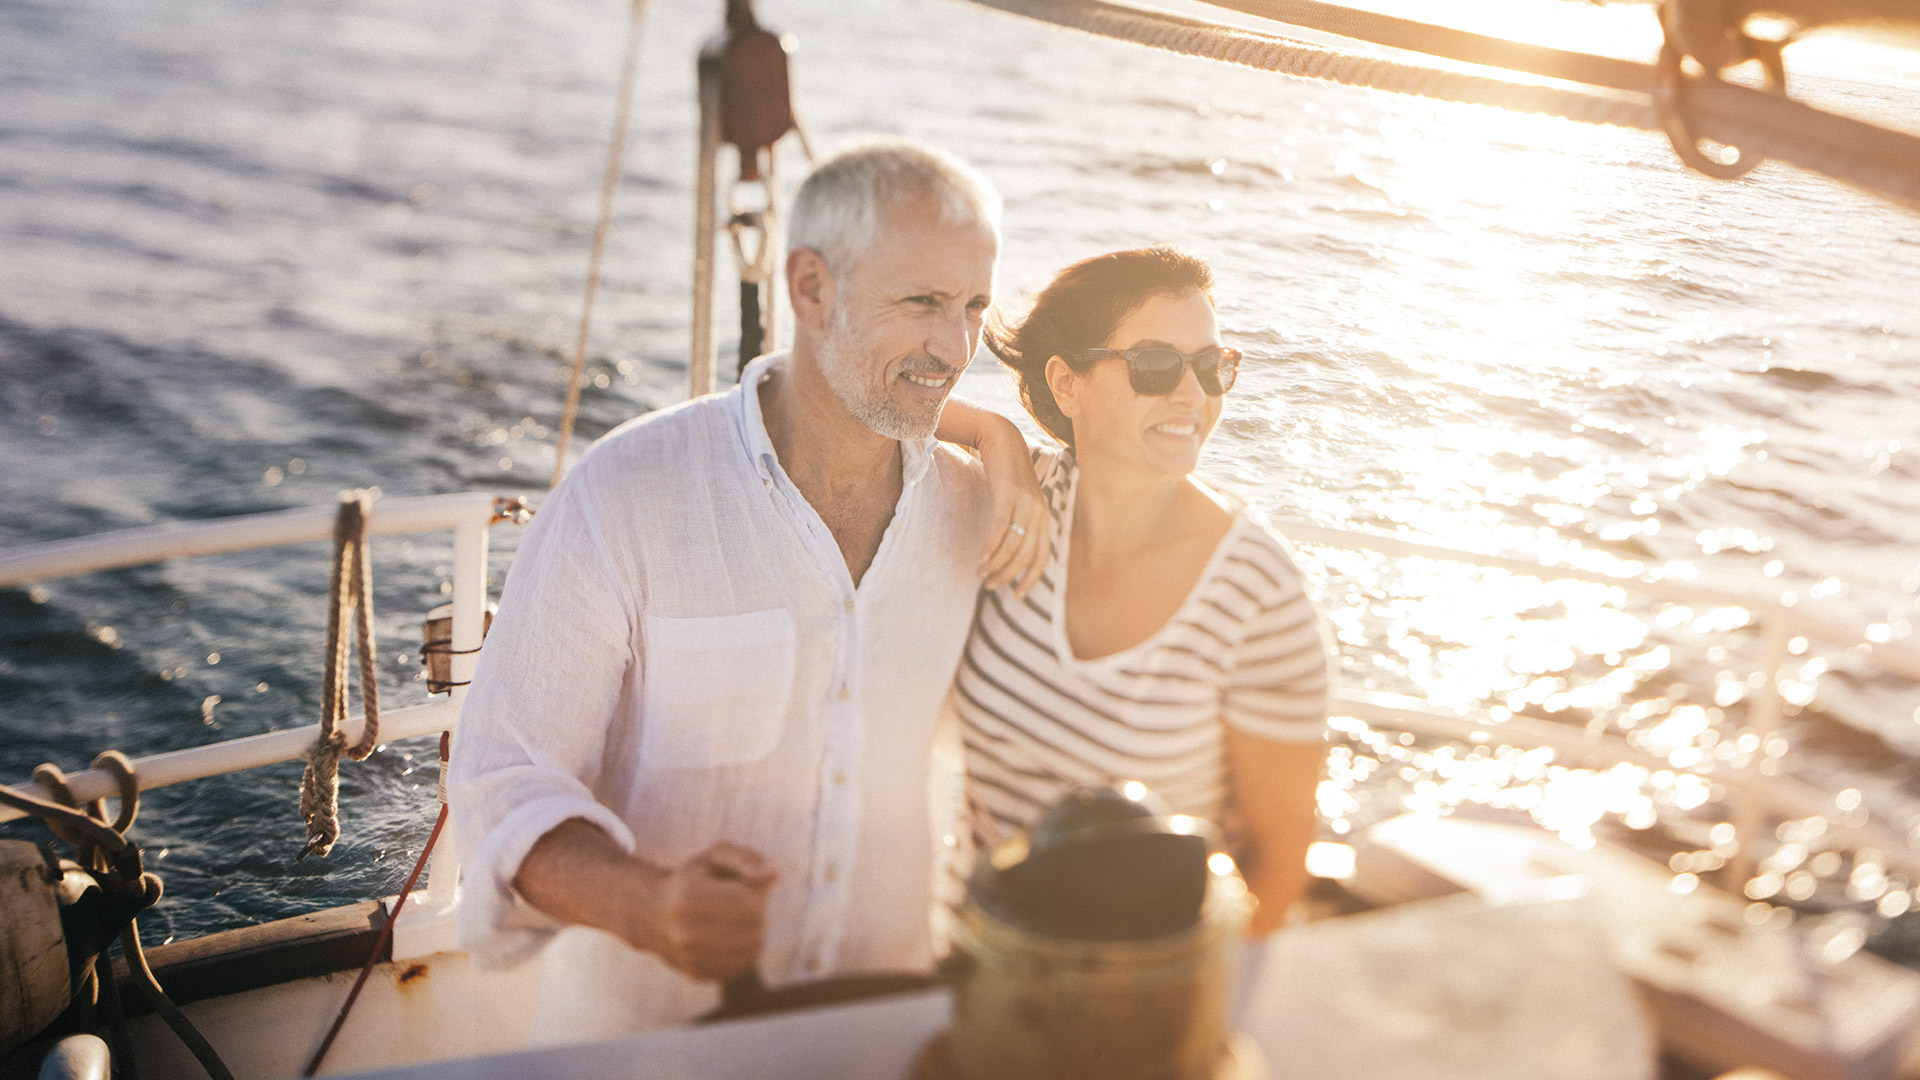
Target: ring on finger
[[1017, 529]]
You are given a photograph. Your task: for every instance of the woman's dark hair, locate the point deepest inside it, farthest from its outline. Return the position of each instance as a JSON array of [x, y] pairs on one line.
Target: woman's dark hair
[[1078, 310]]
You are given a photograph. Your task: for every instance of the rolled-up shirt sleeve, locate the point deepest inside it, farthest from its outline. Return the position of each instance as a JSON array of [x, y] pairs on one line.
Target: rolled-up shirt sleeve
[[534, 727]]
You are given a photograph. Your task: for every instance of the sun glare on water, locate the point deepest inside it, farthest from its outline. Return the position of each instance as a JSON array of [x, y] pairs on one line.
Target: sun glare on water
[[1505, 240]]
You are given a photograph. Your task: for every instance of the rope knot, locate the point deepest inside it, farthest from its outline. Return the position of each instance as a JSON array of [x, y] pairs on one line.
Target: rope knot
[[350, 599]]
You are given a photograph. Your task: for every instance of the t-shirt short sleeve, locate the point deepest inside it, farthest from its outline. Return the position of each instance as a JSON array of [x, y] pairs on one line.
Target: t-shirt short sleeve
[[1276, 679]]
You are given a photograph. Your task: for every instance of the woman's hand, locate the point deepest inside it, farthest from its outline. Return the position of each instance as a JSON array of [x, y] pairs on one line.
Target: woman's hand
[[1019, 525]]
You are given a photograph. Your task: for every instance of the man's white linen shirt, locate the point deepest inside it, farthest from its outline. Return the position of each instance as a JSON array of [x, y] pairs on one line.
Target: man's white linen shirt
[[681, 658]]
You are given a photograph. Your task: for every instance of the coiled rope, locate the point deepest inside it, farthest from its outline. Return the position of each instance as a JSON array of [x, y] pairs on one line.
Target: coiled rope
[[1622, 93], [350, 596], [103, 847]]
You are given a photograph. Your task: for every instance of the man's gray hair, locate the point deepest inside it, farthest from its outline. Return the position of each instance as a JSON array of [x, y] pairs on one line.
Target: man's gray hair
[[837, 212]]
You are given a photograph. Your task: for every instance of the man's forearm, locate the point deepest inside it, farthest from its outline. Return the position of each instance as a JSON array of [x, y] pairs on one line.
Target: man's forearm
[[577, 874], [963, 423], [706, 917]]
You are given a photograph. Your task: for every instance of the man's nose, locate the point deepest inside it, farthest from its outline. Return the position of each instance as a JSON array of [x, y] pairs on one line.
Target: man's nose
[[950, 342]]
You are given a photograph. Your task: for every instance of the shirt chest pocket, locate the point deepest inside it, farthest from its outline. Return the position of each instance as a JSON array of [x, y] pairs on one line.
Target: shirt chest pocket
[[715, 688]]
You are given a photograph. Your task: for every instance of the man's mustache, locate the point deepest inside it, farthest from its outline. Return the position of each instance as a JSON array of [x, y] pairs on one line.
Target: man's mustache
[[929, 368]]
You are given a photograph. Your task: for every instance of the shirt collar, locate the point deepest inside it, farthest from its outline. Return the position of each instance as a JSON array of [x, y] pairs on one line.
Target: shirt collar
[[916, 455], [753, 425]]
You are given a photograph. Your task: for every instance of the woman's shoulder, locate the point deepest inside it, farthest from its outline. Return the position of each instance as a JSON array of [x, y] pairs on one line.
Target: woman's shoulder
[[1053, 467], [1257, 554], [1050, 458]]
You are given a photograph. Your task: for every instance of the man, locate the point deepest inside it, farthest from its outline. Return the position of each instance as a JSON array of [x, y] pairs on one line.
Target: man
[[698, 739]]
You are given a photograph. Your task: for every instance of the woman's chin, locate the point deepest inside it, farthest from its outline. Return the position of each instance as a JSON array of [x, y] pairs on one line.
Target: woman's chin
[[1153, 453], [1172, 462], [1175, 455]]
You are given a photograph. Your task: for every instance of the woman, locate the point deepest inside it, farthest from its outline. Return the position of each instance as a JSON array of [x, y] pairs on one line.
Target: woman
[[1169, 640]]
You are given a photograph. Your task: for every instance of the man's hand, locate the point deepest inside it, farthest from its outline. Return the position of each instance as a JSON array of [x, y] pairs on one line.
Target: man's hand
[[1018, 544], [707, 917], [1018, 541]]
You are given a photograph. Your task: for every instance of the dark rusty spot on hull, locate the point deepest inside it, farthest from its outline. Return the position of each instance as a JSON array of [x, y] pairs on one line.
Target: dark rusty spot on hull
[[412, 972]]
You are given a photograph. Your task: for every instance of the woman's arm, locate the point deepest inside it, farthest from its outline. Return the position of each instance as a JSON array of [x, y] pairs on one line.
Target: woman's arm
[[1275, 706], [1017, 544], [1275, 785]]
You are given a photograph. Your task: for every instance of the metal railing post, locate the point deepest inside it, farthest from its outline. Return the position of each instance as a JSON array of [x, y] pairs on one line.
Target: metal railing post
[[469, 614]]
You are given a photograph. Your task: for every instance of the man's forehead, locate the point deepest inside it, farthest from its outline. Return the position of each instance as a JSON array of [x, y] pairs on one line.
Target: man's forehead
[[920, 209], [932, 253]]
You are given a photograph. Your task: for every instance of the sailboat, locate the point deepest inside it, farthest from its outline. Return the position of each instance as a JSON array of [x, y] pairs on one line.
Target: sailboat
[[266, 995]]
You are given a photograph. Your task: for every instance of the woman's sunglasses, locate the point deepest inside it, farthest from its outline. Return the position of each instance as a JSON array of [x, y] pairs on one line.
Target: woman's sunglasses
[[1156, 369]]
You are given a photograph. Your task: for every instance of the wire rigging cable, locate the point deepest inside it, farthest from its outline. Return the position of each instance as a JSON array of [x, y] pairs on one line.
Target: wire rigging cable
[[1617, 92], [616, 154]]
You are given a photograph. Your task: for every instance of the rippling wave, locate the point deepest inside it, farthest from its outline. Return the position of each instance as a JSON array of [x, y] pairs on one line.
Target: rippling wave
[[255, 253]]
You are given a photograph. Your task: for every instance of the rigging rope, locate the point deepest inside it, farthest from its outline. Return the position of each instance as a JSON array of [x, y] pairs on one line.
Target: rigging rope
[[1448, 42], [616, 153], [1883, 162], [102, 847], [157, 1000], [350, 596], [66, 820]]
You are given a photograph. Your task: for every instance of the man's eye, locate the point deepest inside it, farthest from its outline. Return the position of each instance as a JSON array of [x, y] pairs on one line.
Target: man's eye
[[924, 301]]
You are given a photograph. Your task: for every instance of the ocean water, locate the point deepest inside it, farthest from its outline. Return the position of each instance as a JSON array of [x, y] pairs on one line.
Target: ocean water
[[254, 253]]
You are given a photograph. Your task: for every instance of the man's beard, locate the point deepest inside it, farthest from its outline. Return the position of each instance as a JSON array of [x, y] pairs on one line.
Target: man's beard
[[845, 368]]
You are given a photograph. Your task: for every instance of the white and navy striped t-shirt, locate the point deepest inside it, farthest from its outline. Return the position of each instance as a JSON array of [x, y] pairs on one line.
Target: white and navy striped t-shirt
[[1243, 649]]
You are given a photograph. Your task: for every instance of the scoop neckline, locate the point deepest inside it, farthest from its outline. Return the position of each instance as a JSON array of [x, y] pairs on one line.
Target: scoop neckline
[[1062, 647]]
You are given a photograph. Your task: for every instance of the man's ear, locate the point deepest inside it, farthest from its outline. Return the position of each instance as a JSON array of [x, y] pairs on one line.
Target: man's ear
[[1065, 385], [810, 289]]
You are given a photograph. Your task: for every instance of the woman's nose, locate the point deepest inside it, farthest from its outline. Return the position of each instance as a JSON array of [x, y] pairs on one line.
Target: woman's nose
[[1188, 388]]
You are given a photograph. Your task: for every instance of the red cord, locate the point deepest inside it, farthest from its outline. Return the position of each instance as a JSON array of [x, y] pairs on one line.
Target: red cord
[[386, 931]]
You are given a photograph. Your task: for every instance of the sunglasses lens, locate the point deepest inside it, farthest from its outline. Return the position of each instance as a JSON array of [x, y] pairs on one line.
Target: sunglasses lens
[[1155, 371], [1217, 377]]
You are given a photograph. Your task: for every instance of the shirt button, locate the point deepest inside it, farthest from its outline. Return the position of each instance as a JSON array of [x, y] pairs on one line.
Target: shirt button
[[839, 779], [813, 965], [844, 694], [848, 605], [830, 875]]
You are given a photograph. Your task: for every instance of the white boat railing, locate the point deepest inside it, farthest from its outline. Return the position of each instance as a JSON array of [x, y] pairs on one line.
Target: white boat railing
[[469, 516], [1777, 622], [52, 559]]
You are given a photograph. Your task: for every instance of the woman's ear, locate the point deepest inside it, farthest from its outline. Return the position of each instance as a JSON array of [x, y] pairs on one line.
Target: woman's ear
[[1065, 384], [810, 289]]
